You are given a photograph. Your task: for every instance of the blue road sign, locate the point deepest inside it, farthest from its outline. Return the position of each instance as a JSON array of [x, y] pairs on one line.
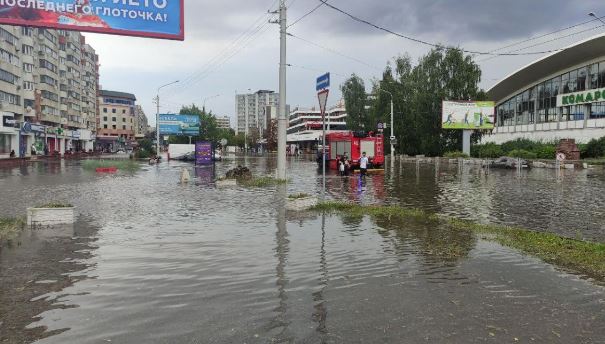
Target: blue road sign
[[323, 82]]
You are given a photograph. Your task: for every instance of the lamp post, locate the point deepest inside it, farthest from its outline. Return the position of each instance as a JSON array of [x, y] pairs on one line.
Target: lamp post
[[592, 14], [157, 118], [208, 98]]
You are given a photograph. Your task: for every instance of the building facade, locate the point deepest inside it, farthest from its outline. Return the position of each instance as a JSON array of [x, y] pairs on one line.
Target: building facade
[[48, 87], [117, 122], [557, 97], [250, 110], [305, 126], [223, 122], [141, 122]]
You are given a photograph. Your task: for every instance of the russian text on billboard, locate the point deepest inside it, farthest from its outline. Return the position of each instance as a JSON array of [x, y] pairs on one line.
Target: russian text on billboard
[[144, 18]]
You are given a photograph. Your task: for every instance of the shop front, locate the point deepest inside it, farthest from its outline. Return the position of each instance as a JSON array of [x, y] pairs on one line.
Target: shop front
[[9, 135]]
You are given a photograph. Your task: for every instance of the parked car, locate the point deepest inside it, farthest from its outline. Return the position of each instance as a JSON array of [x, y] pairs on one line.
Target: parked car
[[508, 162]]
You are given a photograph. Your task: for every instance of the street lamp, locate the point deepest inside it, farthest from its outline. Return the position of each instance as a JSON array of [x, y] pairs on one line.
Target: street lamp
[[391, 139], [208, 98], [595, 16], [157, 118]]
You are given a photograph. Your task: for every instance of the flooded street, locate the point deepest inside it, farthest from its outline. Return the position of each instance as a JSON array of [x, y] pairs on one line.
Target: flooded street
[[153, 261]]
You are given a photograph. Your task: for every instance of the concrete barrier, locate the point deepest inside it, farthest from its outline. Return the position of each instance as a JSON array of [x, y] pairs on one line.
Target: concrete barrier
[[50, 216]]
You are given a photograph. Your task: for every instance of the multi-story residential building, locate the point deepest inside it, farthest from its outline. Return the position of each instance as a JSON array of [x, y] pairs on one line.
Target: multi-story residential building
[[117, 120], [223, 122], [250, 110], [141, 122], [48, 86]]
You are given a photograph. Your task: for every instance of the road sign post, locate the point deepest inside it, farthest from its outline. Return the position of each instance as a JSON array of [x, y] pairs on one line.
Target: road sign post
[[322, 86]]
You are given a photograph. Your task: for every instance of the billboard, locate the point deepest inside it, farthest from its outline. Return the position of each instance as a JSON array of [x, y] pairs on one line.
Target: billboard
[[142, 18], [468, 115], [180, 125], [203, 153]]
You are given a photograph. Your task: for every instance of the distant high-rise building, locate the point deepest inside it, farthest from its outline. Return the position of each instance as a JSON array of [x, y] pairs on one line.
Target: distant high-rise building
[[251, 108], [141, 122], [117, 119], [48, 91], [223, 122]]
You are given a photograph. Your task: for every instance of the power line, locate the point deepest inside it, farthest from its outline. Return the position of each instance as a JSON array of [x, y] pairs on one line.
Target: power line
[[545, 35], [417, 40], [315, 70], [545, 42], [334, 51], [306, 15]]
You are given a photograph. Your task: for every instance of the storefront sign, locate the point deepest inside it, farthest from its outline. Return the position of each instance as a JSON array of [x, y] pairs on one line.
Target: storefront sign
[[584, 97], [75, 134], [8, 121], [33, 128]]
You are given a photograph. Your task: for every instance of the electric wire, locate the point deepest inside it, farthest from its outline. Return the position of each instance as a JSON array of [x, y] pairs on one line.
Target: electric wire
[[305, 15], [420, 41]]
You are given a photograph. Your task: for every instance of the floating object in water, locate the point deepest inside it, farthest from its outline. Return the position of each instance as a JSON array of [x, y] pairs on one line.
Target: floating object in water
[[111, 169], [185, 177]]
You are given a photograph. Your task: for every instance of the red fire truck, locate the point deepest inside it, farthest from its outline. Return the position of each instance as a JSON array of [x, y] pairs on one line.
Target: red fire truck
[[353, 144]]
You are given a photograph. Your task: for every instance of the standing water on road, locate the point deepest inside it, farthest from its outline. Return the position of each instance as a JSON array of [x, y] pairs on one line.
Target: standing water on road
[[151, 260]]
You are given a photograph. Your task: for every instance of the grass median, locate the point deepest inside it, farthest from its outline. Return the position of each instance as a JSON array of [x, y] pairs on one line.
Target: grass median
[[10, 227], [583, 257], [260, 182]]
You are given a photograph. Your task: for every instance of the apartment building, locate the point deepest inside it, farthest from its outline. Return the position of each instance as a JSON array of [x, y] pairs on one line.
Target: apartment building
[[251, 108], [141, 122], [48, 87], [223, 122], [117, 122]]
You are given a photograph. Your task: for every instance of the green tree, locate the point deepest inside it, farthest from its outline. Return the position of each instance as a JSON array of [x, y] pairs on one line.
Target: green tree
[[354, 94], [418, 92]]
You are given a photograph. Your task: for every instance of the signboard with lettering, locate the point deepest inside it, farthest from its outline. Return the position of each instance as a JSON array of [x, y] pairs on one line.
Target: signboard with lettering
[[203, 153], [142, 18], [583, 97], [180, 125], [8, 120]]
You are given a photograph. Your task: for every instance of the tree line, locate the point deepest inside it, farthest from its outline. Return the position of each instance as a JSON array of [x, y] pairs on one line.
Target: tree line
[[418, 91]]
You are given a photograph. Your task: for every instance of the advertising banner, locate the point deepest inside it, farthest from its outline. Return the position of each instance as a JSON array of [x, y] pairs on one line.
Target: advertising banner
[[179, 125], [203, 153], [468, 115], [142, 18]]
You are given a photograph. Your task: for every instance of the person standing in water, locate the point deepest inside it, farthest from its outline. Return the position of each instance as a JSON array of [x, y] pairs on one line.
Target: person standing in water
[[363, 165]]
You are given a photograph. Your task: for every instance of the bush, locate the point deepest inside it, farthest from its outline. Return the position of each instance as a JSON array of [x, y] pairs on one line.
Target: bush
[[546, 152], [593, 149], [488, 150], [455, 154], [522, 153]]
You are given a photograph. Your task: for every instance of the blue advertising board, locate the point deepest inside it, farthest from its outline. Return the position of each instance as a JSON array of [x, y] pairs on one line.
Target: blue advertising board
[[179, 125], [148, 18], [203, 153]]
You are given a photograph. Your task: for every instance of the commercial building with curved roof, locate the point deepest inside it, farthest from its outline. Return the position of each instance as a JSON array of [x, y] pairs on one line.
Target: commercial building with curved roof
[[561, 95]]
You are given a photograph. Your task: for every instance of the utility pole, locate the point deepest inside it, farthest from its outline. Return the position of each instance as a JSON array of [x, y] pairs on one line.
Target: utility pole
[[282, 118], [157, 118]]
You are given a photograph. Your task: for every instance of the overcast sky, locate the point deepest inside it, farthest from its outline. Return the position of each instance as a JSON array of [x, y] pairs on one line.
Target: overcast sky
[[228, 48]]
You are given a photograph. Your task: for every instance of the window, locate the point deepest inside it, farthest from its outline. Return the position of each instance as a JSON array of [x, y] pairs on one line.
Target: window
[[8, 76], [47, 80], [8, 37], [105, 118], [573, 80], [45, 64], [581, 82], [601, 74], [26, 31], [113, 110], [50, 95], [49, 110], [105, 110], [113, 126], [5, 143], [597, 110], [28, 85], [10, 98], [123, 127], [8, 57], [565, 83], [28, 67], [29, 103], [27, 49], [124, 120], [594, 76], [113, 119], [104, 126], [123, 111]]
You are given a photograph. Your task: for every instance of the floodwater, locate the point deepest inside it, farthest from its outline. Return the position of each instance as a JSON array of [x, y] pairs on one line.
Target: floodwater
[[154, 261]]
